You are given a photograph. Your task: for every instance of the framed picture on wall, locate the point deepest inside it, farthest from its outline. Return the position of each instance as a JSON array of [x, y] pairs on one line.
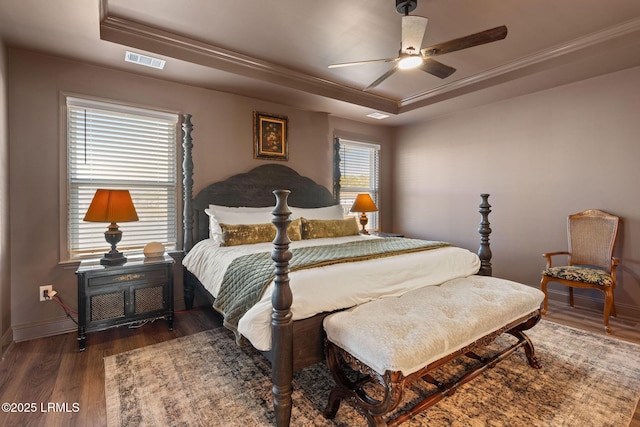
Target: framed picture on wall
[[270, 136]]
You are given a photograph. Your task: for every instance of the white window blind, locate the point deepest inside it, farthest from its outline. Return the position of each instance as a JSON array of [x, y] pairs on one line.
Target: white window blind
[[116, 147], [359, 173]]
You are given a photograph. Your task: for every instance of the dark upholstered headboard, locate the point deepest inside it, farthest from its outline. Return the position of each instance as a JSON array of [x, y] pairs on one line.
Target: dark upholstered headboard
[[254, 189]]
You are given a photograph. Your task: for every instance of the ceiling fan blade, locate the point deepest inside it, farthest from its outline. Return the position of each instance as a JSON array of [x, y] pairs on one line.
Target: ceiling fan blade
[[436, 68], [381, 78], [483, 37], [371, 61], [413, 29]]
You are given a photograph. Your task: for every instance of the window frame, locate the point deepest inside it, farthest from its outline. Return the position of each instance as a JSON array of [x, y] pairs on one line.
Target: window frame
[[374, 191], [66, 254]]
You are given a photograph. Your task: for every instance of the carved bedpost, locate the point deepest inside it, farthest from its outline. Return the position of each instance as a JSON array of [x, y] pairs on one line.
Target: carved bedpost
[[281, 324], [187, 183], [336, 169], [485, 251], [187, 212]]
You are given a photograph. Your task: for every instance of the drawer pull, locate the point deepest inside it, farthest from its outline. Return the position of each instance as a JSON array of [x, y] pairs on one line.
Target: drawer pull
[[127, 277]]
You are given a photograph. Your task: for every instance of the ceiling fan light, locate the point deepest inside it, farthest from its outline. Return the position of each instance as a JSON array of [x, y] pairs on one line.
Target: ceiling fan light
[[409, 62]]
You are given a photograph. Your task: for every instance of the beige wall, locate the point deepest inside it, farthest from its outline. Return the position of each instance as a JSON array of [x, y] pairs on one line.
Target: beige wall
[[541, 157], [5, 277], [222, 137], [534, 154]]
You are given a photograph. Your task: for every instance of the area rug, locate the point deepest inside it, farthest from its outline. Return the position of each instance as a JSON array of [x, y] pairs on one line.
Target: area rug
[[207, 380]]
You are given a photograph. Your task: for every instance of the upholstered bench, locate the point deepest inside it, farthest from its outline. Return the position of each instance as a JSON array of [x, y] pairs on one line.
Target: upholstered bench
[[395, 341]]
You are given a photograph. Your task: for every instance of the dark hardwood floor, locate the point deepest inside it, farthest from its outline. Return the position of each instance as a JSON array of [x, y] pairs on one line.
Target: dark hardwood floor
[[51, 370]]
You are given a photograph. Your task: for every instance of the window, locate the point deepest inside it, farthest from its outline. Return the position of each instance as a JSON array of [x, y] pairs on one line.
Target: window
[[118, 147], [359, 173]]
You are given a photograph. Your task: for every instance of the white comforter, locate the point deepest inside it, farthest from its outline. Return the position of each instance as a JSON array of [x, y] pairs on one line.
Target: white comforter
[[331, 287]]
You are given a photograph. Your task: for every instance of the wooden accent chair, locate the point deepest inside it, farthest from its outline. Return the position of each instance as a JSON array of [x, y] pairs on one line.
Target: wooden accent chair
[[592, 237]]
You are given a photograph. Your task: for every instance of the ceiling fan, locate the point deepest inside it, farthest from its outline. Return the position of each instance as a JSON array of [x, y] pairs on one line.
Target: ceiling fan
[[411, 54]]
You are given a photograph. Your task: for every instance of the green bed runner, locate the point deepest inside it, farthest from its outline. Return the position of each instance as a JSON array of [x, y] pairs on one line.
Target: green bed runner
[[248, 276]]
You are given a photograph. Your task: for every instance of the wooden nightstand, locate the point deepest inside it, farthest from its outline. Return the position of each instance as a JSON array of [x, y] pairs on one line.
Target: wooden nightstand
[[141, 289]]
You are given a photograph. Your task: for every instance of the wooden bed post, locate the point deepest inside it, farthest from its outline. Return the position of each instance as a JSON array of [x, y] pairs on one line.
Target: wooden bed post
[[484, 252], [187, 183], [281, 323], [187, 210]]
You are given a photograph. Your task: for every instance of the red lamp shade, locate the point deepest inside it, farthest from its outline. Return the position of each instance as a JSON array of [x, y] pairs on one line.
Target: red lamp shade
[[363, 203], [112, 206]]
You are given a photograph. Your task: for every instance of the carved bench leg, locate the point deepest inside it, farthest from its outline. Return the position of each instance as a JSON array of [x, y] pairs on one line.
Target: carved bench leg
[[353, 393], [333, 404], [377, 411], [529, 349]]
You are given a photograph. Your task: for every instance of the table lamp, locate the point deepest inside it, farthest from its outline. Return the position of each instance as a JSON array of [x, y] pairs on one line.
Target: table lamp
[[363, 204], [112, 206]]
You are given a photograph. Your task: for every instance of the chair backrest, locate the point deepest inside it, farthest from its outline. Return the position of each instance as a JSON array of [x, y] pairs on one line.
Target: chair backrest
[[592, 238]]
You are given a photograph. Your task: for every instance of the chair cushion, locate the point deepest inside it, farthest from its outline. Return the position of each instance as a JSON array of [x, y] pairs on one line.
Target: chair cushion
[[576, 273]]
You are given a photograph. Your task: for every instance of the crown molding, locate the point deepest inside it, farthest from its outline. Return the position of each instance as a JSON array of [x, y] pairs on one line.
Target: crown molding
[[137, 35], [530, 61], [134, 34]]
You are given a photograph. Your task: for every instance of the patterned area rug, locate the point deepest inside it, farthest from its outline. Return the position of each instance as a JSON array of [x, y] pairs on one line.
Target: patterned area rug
[[206, 380]]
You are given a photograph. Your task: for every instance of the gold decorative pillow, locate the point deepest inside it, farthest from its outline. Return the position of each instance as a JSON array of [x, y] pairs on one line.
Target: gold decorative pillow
[[318, 228], [294, 231], [246, 234]]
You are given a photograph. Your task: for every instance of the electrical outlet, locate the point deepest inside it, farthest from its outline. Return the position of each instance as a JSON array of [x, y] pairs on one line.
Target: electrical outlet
[[45, 290]]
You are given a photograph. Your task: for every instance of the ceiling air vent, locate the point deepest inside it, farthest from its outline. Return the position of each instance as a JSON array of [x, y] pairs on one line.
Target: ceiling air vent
[[145, 60], [378, 116]]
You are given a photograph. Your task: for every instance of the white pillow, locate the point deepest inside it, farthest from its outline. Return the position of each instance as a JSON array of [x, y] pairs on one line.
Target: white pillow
[[329, 212], [245, 215], [215, 232], [230, 215]]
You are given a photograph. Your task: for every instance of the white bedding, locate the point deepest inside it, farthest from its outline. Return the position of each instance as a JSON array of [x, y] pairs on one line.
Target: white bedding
[[331, 287]]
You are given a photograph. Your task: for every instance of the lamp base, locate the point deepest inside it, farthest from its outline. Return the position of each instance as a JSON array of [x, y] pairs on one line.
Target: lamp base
[[114, 256], [363, 222], [111, 259]]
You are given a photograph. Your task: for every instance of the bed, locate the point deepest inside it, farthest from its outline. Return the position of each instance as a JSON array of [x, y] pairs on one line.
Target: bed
[[289, 335], [254, 190]]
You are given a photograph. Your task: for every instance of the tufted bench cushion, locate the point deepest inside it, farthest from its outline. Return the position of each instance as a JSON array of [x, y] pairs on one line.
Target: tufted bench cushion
[[409, 332]]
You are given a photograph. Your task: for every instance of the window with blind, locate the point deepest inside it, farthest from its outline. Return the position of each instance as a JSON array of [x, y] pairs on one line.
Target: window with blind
[[359, 173], [118, 147]]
